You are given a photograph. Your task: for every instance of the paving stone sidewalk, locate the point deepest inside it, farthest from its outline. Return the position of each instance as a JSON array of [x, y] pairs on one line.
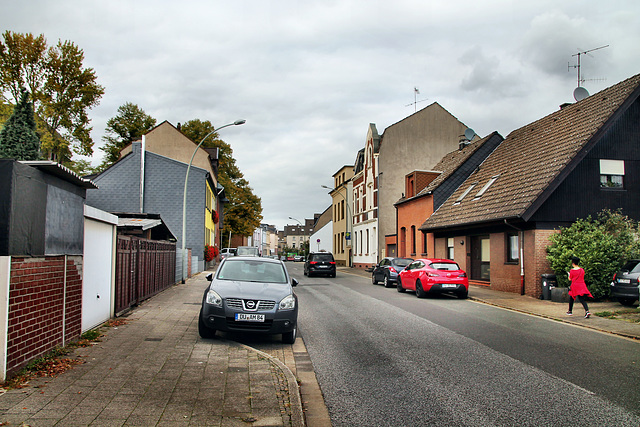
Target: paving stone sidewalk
[[156, 371]]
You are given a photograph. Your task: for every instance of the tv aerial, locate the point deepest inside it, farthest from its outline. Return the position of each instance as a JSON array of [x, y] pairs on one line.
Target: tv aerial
[[416, 92], [580, 92]]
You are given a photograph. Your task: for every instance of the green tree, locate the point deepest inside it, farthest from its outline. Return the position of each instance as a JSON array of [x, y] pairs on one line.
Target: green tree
[[18, 137], [129, 124], [243, 214], [602, 244], [62, 90]]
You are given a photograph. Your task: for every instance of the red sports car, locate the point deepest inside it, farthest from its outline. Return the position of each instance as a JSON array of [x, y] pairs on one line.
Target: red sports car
[[434, 276]]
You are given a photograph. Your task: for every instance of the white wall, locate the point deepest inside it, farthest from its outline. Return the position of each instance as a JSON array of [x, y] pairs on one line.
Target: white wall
[[98, 282], [325, 234]]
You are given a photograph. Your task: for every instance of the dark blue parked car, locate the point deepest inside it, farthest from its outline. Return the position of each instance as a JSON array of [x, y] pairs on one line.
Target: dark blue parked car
[[388, 269]]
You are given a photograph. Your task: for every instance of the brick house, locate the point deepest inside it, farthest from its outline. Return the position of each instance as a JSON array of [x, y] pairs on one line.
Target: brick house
[[425, 191], [161, 157], [568, 165]]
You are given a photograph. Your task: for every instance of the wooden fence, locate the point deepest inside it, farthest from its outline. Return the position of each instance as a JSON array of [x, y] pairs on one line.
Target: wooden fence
[[143, 268]]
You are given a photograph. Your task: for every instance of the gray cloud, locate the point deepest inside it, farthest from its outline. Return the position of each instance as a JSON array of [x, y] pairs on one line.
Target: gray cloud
[[310, 76]]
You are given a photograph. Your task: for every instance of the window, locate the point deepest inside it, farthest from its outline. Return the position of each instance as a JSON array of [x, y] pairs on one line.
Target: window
[[486, 187], [463, 195], [413, 239], [450, 244], [513, 247], [612, 174]]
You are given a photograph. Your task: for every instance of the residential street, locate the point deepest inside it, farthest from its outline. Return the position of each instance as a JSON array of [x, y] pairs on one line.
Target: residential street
[[385, 358]]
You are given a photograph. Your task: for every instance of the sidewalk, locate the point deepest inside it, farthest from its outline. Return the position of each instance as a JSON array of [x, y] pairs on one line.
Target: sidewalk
[[546, 308], [156, 370]]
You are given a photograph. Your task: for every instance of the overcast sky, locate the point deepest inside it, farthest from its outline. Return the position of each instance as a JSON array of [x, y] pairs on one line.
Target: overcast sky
[[309, 76]]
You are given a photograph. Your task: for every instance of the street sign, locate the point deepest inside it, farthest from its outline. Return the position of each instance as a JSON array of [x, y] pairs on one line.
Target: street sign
[[347, 235]]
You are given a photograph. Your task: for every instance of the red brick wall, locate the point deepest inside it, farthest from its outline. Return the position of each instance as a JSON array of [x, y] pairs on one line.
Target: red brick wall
[[414, 213], [36, 300]]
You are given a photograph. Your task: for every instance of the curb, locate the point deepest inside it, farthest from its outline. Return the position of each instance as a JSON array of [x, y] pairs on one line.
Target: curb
[[297, 414]]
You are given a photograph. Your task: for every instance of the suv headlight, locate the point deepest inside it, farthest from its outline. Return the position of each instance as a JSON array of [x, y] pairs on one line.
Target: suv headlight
[[213, 298], [287, 303]]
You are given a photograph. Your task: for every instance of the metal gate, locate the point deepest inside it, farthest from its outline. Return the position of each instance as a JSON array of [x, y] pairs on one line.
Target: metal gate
[[143, 268]]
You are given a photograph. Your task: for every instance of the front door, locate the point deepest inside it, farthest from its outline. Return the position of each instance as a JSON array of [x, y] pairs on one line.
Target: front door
[[480, 258]]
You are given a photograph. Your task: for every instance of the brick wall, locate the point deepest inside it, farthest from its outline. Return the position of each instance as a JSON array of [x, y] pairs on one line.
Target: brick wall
[[38, 297]]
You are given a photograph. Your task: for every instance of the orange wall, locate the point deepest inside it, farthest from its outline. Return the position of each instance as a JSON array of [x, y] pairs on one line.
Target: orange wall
[[415, 213]]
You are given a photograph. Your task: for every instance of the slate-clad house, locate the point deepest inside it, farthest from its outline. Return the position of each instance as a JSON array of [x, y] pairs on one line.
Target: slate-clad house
[[149, 178], [426, 191], [568, 165]]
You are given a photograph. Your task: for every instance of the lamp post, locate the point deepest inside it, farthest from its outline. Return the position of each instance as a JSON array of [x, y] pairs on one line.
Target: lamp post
[[184, 196], [346, 202], [303, 235]]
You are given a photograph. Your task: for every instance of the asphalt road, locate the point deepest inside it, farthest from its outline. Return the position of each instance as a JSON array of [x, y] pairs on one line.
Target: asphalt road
[[385, 358]]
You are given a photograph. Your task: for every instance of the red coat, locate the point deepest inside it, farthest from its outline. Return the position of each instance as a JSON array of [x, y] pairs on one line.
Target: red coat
[[578, 287]]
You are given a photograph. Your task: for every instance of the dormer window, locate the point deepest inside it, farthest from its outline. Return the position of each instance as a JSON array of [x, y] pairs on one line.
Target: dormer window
[[612, 174], [486, 187], [463, 195]]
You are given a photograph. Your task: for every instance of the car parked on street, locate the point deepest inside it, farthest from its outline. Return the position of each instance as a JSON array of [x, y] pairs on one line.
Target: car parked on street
[[625, 286], [225, 252], [320, 263], [387, 270], [250, 294], [298, 258], [247, 251], [426, 276]]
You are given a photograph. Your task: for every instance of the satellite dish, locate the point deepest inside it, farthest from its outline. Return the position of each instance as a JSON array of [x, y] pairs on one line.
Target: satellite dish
[[469, 134], [580, 93]]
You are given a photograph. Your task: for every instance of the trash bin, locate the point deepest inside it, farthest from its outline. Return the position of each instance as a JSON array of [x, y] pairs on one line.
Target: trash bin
[[548, 281]]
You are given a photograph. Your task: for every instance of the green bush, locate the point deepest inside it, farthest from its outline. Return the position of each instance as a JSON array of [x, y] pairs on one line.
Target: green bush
[[603, 245]]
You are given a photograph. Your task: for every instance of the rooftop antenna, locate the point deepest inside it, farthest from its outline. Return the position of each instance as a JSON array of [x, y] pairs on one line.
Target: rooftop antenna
[[416, 92], [579, 54]]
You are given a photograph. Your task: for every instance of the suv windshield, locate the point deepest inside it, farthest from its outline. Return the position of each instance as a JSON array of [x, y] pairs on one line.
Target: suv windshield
[[252, 271]]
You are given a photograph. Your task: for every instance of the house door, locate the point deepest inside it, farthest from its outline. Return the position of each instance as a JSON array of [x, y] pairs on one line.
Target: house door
[[480, 258]]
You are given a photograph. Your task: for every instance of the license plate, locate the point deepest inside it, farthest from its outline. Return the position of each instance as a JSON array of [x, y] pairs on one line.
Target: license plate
[[245, 317], [449, 285], [322, 266], [624, 280]]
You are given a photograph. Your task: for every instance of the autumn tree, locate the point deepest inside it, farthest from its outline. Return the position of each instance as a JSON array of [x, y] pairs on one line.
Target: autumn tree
[[243, 214], [129, 124], [61, 88], [18, 137]]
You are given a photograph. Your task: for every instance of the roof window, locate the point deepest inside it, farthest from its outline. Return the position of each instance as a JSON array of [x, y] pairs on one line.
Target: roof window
[[486, 187], [463, 195]]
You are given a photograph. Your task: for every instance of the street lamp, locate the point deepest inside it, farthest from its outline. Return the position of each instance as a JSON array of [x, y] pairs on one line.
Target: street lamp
[[346, 202], [184, 196], [303, 235]]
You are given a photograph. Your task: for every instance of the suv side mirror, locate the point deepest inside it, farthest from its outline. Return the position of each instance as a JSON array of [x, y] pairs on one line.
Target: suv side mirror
[[209, 276], [294, 282]]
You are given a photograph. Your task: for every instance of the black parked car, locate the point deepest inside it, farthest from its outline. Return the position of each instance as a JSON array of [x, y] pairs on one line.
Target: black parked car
[[388, 269], [626, 283], [320, 263]]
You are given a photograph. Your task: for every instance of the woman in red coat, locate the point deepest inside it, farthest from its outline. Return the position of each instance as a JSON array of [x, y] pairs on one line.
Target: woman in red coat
[[578, 289]]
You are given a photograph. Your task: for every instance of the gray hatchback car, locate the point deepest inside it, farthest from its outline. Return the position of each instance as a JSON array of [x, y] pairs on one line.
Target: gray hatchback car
[[250, 294]]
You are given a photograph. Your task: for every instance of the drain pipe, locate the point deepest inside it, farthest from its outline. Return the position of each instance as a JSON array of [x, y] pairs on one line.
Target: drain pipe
[[521, 248]]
